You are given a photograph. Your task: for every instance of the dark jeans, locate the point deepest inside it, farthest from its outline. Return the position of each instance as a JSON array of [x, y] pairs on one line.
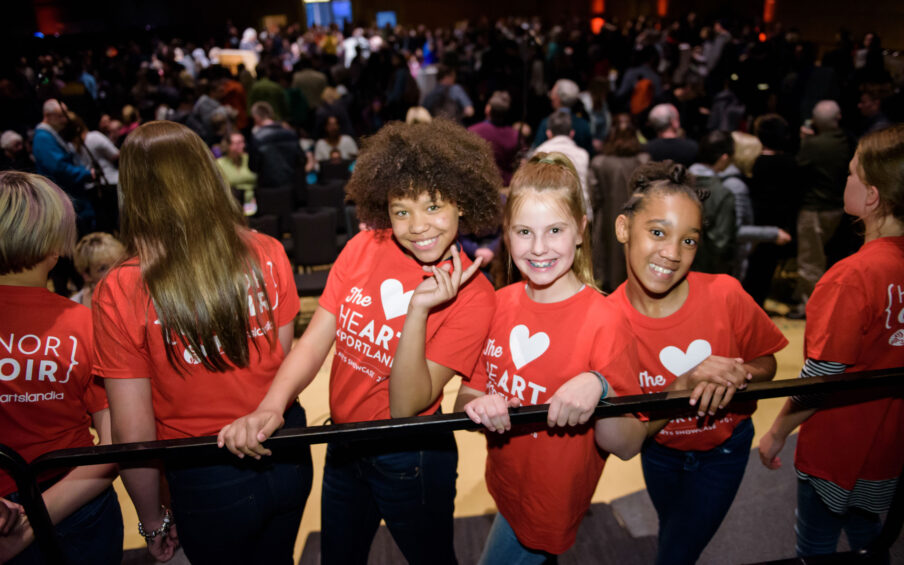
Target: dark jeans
[[92, 535], [692, 491], [409, 483], [247, 511], [818, 528]]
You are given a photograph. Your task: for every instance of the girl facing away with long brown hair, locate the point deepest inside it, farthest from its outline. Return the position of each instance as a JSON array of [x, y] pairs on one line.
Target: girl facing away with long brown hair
[[190, 331]]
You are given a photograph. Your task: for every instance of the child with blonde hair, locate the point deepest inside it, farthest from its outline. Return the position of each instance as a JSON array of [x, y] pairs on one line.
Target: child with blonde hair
[[554, 339], [95, 254]]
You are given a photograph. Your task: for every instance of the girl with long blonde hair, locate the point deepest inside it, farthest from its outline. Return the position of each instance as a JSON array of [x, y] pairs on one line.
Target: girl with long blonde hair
[[191, 329]]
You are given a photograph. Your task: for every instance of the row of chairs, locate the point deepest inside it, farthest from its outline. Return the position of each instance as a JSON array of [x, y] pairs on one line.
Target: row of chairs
[[318, 221]]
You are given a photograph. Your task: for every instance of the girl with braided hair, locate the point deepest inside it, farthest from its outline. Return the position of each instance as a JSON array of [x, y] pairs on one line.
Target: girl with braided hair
[[696, 332]]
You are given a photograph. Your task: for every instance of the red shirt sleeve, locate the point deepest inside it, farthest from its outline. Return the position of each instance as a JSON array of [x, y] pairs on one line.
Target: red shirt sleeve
[[458, 341], [755, 333], [120, 349]]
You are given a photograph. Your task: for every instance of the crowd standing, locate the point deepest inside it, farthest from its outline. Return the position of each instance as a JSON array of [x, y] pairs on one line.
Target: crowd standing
[[687, 167]]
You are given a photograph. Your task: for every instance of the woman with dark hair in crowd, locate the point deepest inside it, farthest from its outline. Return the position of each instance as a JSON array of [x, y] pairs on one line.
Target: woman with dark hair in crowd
[[190, 331], [608, 179]]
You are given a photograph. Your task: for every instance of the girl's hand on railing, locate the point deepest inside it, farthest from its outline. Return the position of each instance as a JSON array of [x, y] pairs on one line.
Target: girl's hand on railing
[[244, 436]]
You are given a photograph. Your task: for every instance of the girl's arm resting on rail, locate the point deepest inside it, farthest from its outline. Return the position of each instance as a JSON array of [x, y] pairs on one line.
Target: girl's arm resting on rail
[[132, 420], [82, 484]]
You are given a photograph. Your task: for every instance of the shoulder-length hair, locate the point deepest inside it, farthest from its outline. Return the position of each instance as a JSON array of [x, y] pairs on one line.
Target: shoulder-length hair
[[36, 221], [180, 219]]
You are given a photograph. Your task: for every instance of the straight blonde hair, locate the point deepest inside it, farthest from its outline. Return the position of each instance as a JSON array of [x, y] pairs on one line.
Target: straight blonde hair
[[36, 220], [554, 173], [180, 219]]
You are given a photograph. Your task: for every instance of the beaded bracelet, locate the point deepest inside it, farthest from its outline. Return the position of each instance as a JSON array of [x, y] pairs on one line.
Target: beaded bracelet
[[603, 382], [162, 530]]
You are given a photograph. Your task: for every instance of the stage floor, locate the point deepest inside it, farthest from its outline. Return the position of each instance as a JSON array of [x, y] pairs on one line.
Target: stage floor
[[620, 478]]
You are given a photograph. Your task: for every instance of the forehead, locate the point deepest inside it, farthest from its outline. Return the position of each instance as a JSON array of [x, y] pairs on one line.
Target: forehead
[[422, 198], [547, 207], [676, 208]]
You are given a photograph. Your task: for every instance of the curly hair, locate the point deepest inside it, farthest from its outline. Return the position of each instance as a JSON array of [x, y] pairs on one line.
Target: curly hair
[[662, 177], [441, 158]]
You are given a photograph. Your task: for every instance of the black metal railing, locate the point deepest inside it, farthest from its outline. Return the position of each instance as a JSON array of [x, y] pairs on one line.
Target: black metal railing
[[886, 382]]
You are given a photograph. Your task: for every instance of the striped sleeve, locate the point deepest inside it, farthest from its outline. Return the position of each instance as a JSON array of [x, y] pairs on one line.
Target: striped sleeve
[[814, 368]]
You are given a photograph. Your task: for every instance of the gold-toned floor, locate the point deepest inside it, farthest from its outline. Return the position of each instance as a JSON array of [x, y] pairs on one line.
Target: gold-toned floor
[[620, 478]]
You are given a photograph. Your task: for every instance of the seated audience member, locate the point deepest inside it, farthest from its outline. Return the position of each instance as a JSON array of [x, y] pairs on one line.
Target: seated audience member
[[37, 225], [275, 154], [501, 137], [13, 156], [95, 254], [670, 143], [332, 105], [335, 139], [714, 162], [334, 168], [560, 139], [234, 168]]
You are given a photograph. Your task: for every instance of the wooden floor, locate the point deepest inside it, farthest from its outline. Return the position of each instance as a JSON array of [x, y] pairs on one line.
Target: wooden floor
[[620, 478]]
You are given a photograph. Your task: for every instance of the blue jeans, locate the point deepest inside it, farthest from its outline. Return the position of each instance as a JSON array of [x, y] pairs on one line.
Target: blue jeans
[[409, 483], [503, 548], [818, 528], [247, 511], [92, 535], [692, 491]]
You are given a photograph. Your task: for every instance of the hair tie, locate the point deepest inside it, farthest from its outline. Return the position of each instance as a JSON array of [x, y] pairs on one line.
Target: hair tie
[[548, 161]]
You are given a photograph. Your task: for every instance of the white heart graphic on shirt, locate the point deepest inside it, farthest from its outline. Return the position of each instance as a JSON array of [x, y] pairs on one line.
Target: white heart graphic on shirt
[[897, 338], [679, 362], [525, 347], [394, 298]]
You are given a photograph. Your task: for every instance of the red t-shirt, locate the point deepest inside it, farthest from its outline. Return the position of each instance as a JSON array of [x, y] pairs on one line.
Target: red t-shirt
[[47, 388], [717, 318], [368, 291], [856, 317], [541, 479], [196, 402]]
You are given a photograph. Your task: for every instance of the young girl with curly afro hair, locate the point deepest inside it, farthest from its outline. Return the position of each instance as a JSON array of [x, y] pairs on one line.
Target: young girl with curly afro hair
[[406, 313]]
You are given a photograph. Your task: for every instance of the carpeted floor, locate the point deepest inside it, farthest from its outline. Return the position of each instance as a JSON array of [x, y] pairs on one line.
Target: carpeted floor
[[758, 528]]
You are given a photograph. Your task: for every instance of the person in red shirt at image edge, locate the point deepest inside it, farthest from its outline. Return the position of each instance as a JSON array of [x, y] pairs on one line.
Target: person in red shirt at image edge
[[47, 386], [855, 322], [190, 331], [404, 321], [694, 331], [554, 339]]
